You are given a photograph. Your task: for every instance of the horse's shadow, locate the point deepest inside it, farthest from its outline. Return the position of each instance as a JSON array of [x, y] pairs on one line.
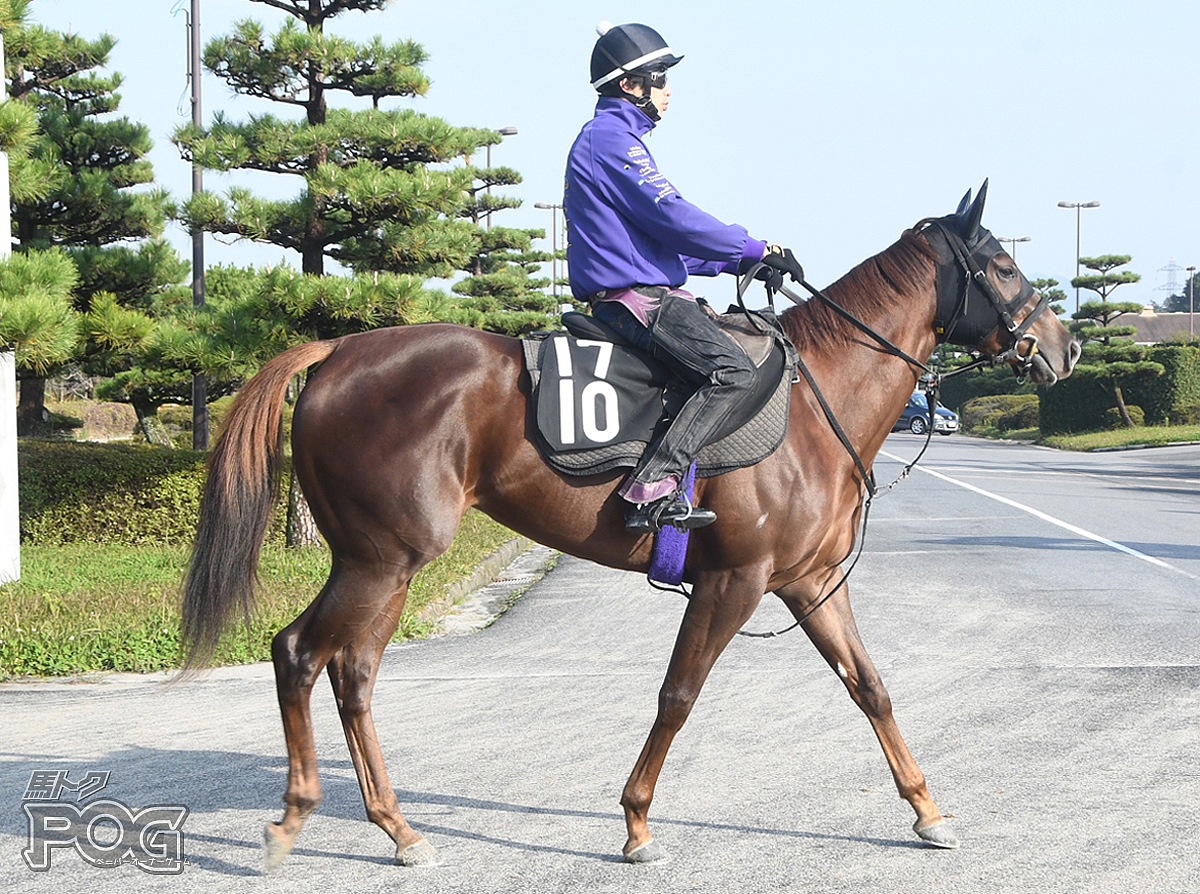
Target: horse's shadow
[[208, 781]]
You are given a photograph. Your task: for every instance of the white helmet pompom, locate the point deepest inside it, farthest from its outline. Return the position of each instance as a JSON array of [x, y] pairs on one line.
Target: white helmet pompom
[[603, 28]]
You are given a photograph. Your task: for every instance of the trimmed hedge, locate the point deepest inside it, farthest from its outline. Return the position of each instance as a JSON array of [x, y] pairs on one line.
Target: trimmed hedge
[[110, 493], [958, 391], [1177, 387], [1002, 412], [1113, 420], [1080, 405]]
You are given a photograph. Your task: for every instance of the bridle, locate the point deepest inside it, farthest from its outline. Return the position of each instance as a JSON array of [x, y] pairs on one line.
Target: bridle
[[960, 320], [957, 319]]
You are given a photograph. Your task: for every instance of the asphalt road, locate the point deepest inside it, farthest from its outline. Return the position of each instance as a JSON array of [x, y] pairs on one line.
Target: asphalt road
[[1036, 616]]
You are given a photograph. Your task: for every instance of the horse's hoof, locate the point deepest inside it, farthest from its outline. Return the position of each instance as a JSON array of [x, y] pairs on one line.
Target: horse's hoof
[[938, 835], [276, 846], [650, 852], [420, 854]]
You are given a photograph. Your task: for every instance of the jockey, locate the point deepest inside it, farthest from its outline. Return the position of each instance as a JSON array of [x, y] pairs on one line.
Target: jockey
[[632, 242]]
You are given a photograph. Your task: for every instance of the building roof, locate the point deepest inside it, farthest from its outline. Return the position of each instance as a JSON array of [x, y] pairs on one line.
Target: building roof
[[1155, 328]]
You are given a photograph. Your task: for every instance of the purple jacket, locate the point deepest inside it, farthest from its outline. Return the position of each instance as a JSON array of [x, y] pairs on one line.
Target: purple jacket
[[626, 224]]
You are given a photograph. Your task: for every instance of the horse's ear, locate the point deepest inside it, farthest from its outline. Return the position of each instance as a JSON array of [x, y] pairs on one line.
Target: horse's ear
[[975, 214], [963, 205]]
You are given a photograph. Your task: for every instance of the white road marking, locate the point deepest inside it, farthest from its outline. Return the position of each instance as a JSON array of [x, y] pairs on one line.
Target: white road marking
[[1074, 529]]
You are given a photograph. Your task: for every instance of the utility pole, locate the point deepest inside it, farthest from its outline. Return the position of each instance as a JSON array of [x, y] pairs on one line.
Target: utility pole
[[1191, 303], [199, 384]]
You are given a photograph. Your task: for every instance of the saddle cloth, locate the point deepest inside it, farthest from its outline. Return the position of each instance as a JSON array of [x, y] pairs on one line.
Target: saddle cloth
[[598, 402]]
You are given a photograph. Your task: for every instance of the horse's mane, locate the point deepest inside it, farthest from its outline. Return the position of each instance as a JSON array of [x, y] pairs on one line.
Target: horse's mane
[[875, 286]]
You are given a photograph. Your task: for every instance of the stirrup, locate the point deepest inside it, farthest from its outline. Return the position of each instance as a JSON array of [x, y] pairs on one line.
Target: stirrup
[[675, 510]]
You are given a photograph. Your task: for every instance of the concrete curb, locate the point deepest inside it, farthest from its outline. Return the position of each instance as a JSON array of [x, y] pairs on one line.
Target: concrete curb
[[1143, 446], [477, 601]]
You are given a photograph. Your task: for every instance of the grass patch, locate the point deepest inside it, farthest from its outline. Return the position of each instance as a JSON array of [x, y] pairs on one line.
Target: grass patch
[[1142, 435], [85, 607], [995, 434]]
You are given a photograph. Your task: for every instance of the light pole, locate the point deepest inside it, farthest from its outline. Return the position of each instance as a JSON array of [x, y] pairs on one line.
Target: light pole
[[1191, 303], [1013, 240], [1078, 206], [504, 132], [553, 209]]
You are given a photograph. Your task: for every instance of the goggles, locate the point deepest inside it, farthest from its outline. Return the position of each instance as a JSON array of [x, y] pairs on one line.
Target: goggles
[[656, 77]]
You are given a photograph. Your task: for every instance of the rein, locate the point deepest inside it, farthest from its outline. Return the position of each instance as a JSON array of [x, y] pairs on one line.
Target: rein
[[974, 274]]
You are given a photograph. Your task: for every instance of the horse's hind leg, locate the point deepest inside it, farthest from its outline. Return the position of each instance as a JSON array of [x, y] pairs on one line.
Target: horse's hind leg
[[347, 605], [833, 631], [352, 672]]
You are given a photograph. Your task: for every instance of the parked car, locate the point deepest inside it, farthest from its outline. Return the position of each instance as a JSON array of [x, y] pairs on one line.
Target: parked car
[[916, 417]]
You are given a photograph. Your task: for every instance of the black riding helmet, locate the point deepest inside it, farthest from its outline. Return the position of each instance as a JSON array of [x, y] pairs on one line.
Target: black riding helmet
[[630, 51]]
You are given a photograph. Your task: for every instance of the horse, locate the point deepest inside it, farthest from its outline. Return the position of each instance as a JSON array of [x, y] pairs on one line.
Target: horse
[[399, 431]]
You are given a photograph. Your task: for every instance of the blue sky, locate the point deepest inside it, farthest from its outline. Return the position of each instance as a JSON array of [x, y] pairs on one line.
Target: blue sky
[[826, 127]]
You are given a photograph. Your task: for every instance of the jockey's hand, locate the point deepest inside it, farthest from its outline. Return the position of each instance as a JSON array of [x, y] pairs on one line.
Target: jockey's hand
[[772, 277], [781, 259]]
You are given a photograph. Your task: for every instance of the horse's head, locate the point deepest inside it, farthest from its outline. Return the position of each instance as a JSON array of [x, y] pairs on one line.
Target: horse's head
[[985, 302]]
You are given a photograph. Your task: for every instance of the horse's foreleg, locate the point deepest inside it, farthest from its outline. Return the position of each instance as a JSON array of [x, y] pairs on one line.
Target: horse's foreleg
[[352, 673], [719, 605], [346, 605], [833, 631]]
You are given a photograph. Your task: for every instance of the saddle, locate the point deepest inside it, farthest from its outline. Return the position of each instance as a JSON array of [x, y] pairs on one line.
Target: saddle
[[598, 401]]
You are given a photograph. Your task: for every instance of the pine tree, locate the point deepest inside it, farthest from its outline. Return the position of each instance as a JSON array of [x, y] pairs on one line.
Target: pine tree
[[77, 186], [380, 193], [370, 197], [1109, 354], [1056, 296], [36, 313], [131, 293], [498, 294], [1104, 281]]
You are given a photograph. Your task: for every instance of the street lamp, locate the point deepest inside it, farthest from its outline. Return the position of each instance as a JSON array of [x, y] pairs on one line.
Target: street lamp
[[504, 132], [1013, 240], [1191, 303], [1078, 206], [553, 209]]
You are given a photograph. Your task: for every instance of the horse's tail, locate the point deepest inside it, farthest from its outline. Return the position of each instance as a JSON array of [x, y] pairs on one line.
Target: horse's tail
[[243, 482]]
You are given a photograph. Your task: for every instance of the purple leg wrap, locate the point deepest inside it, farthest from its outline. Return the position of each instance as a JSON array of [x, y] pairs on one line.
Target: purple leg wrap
[[670, 545]]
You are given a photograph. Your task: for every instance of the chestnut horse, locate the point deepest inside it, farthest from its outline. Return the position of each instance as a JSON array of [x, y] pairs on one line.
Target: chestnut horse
[[400, 431]]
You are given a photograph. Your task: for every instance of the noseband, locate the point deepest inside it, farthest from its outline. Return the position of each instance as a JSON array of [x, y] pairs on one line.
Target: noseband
[[962, 321]]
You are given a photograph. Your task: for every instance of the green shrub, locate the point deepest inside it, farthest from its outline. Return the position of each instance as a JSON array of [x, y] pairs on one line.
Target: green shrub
[[1186, 415], [1178, 386], [1112, 416], [1081, 404], [1076, 405], [958, 391], [110, 493], [1003, 412], [1021, 416], [177, 420]]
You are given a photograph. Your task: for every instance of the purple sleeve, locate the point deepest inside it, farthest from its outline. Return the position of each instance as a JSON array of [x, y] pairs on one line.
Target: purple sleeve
[[645, 195], [753, 252]]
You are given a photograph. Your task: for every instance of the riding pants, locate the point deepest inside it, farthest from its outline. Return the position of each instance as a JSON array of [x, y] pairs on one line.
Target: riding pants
[[680, 334]]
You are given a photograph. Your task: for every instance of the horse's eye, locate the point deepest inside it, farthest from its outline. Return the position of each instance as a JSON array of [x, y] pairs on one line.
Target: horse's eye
[[1007, 273]]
